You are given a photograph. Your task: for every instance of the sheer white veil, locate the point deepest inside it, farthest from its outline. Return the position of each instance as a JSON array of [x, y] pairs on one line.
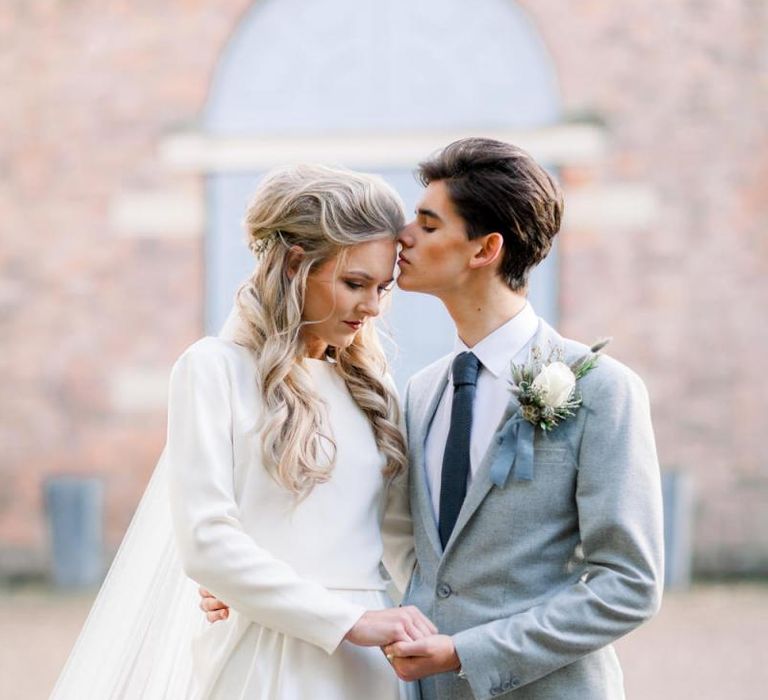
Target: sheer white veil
[[136, 642]]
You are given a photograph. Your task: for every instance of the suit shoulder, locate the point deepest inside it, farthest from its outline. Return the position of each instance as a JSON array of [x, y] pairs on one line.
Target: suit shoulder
[[611, 377], [426, 376], [609, 374]]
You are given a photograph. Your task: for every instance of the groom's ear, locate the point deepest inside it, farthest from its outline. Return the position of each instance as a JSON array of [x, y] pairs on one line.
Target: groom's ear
[[488, 251], [292, 261]]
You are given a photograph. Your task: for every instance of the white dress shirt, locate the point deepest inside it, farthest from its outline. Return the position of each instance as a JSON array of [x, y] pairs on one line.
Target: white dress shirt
[[497, 351]]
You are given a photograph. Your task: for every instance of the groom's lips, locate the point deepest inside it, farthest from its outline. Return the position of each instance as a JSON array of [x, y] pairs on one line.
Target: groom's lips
[[402, 259]]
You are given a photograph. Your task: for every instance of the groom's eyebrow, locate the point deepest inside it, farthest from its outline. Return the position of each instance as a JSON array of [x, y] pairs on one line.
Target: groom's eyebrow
[[428, 212]]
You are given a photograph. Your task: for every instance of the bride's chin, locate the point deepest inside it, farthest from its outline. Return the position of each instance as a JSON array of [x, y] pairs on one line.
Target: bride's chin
[[340, 341]]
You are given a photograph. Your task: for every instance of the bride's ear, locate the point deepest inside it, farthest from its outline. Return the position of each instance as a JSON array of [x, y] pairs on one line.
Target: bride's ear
[[292, 260]]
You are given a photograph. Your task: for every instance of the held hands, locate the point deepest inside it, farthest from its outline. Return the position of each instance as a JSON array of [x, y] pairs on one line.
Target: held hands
[[406, 635], [423, 657], [379, 627], [375, 628]]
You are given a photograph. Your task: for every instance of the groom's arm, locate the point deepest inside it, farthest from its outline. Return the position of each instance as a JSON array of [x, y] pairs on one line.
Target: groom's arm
[[618, 498], [399, 555]]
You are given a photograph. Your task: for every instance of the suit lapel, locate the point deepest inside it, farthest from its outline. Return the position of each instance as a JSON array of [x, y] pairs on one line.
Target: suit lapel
[[424, 408], [481, 481]]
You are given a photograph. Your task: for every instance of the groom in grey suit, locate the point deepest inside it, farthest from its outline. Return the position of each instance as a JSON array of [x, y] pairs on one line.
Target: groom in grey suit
[[535, 549]]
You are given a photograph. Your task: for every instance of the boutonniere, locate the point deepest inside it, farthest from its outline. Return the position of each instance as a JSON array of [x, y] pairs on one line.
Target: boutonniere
[[547, 390]]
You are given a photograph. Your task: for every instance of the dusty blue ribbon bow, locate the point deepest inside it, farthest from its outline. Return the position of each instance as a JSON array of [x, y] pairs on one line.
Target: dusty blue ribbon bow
[[515, 449]]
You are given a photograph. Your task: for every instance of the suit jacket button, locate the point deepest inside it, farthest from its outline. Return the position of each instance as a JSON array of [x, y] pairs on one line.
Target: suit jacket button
[[444, 590]]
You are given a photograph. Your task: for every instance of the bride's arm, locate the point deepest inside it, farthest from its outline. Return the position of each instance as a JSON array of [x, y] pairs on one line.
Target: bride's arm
[[215, 550]]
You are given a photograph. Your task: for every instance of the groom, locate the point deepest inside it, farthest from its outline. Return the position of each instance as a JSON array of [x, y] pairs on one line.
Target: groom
[[535, 550]]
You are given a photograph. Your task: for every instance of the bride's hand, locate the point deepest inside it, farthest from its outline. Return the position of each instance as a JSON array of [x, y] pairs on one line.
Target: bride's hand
[[213, 608], [379, 627]]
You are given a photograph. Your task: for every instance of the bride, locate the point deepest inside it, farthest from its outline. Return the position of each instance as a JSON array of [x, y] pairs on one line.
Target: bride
[[283, 484]]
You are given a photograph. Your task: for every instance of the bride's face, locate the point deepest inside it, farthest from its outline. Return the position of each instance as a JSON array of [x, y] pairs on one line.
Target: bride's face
[[344, 293]]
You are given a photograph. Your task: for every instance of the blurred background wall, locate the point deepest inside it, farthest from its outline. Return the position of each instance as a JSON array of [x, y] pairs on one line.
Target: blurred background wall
[[132, 132]]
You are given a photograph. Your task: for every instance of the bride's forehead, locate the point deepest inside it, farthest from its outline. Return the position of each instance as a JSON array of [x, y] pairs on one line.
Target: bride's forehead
[[374, 257]]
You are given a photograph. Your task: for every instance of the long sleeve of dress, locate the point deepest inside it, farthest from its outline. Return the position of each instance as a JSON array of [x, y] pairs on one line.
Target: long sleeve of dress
[[215, 550]]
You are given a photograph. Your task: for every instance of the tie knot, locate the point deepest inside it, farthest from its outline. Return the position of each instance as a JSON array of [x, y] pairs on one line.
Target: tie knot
[[465, 369]]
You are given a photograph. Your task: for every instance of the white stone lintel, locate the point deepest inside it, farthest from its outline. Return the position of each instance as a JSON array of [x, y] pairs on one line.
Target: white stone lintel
[[157, 214], [559, 145]]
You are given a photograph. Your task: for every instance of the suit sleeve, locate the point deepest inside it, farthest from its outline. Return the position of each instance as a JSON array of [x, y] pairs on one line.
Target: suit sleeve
[[397, 533], [397, 527], [618, 497], [215, 550]]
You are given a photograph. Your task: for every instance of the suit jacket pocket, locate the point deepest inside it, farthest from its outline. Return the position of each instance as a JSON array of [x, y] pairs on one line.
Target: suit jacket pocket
[[551, 455]]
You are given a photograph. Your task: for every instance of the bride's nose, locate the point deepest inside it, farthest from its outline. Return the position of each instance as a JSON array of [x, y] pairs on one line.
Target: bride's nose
[[371, 304]]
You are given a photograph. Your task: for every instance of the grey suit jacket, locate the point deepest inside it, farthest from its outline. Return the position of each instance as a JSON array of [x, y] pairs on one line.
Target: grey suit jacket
[[539, 577]]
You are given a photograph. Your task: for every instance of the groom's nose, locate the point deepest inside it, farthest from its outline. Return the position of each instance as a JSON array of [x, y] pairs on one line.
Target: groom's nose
[[405, 237]]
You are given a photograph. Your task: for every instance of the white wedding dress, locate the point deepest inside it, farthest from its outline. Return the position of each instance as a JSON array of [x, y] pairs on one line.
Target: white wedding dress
[[297, 574]]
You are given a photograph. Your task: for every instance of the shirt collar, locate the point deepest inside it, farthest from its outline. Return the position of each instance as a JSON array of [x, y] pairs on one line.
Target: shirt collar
[[497, 350]]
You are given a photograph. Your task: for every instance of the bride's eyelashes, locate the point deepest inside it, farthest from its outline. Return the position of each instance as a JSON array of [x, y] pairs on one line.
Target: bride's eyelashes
[[383, 289]]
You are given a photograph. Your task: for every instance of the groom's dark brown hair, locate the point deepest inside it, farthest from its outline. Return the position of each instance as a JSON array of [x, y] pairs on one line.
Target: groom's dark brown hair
[[498, 187]]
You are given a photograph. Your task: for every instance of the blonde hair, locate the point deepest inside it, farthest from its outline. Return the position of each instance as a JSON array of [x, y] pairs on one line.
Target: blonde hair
[[324, 211]]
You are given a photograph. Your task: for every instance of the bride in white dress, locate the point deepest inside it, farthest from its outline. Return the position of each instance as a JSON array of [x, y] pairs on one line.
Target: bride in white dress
[[285, 469]]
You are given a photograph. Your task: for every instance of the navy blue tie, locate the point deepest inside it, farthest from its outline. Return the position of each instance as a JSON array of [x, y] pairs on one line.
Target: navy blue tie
[[453, 480]]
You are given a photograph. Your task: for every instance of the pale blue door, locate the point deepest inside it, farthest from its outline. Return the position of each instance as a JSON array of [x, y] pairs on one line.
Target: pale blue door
[[303, 68]]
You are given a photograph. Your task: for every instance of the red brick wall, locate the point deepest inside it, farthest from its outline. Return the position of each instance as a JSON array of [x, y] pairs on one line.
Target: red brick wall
[[682, 91], [87, 91]]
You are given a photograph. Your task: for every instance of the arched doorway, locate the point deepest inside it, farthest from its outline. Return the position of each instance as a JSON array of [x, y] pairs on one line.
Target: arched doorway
[[319, 72]]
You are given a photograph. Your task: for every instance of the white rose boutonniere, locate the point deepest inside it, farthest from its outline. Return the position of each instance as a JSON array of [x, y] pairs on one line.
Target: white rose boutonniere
[[547, 389], [555, 384], [547, 392]]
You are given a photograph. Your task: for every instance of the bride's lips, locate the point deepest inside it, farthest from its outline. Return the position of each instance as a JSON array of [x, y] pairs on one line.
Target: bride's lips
[[354, 325]]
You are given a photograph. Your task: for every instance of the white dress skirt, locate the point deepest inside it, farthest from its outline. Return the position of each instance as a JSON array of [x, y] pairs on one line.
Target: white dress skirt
[[297, 575]]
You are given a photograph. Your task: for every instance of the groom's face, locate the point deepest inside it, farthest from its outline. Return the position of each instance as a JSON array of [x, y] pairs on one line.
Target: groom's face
[[435, 249]]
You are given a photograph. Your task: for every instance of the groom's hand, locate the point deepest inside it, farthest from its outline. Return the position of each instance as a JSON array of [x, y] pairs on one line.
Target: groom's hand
[[213, 608], [423, 657]]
